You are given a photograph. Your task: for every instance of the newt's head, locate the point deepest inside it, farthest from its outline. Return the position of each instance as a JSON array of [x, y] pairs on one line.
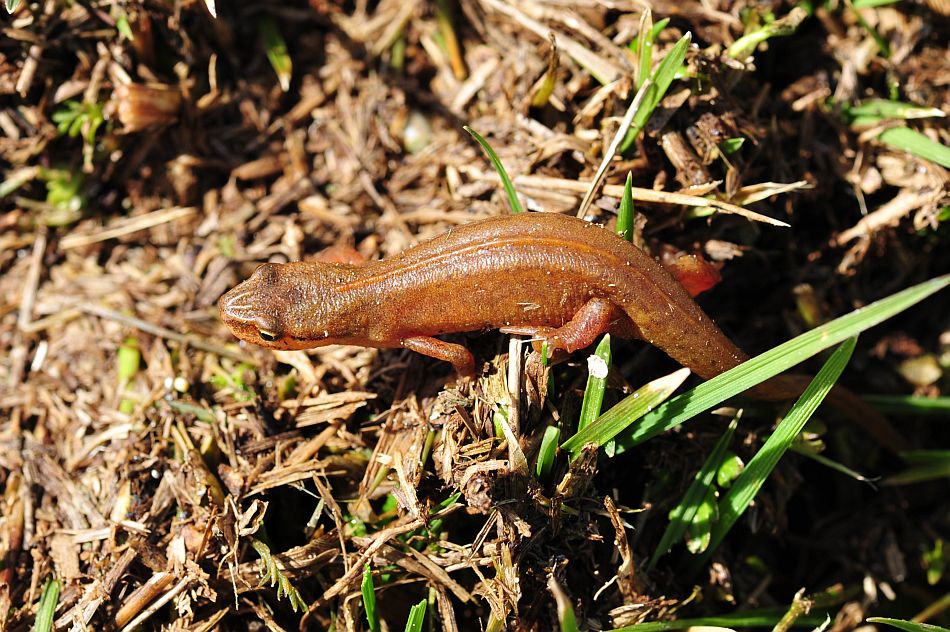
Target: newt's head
[[286, 306]]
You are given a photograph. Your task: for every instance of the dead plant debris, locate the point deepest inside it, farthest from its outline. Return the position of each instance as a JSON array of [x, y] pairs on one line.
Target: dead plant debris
[[168, 478]]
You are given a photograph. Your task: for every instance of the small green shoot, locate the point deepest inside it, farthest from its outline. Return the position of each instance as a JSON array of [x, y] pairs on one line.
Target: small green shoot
[[369, 599], [731, 145], [681, 516], [549, 81], [271, 574], [235, 381], [76, 118], [799, 606], [655, 31], [565, 610], [547, 452], [128, 360], [912, 141], [64, 194], [874, 111], [643, 47], [750, 481], [882, 44], [397, 53], [626, 213], [123, 27], [743, 47], [662, 77], [417, 617], [608, 426], [201, 413], [907, 626], [513, 200], [11, 5], [598, 365], [699, 529], [448, 39], [276, 49], [732, 466], [47, 607], [935, 561], [762, 367]]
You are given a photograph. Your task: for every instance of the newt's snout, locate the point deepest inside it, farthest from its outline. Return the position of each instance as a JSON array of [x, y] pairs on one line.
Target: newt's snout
[[247, 315]]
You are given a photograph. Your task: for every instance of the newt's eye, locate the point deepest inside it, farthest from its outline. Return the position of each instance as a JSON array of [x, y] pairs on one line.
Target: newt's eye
[[269, 336]]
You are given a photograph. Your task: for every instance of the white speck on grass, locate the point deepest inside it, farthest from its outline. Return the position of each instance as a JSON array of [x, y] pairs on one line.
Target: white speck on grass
[[597, 367]]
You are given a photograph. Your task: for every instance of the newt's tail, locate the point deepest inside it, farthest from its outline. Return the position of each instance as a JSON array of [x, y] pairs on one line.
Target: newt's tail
[[855, 409]]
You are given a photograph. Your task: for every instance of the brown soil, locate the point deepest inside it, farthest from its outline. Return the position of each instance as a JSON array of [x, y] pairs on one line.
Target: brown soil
[[152, 496]]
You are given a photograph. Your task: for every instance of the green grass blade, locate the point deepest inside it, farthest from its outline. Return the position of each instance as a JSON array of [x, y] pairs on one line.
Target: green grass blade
[[598, 365], [417, 617], [908, 404], [764, 618], [922, 457], [513, 200], [912, 141], [625, 214], [926, 465], [787, 25], [369, 599], [682, 514], [750, 481], [565, 610], [907, 626], [662, 78], [644, 48], [833, 465], [547, 452], [877, 110], [658, 27], [645, 398], [47, 608], [882, 44], [764, 366], [276, 49]]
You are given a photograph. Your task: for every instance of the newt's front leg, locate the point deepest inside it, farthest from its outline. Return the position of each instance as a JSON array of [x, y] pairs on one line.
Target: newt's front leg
[[460, 357]]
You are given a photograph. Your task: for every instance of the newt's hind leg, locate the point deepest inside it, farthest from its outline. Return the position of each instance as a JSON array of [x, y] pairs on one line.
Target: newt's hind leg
[[596, 317]]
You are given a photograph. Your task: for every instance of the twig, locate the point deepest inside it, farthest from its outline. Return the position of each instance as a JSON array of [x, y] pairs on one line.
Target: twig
[[27, 300], [602, 69], [162, 332], [888, 214], [127, 226], [642, 195], [161, 601], [613, 147]]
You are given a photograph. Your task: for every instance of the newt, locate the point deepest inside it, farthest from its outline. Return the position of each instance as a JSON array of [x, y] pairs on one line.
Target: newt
[[553, 277]]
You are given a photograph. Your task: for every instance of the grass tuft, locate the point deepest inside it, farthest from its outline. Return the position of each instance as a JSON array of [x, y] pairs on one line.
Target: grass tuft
[[750, 481]]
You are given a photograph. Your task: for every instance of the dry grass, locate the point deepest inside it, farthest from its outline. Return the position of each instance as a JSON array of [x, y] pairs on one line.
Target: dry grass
[[151, 496]]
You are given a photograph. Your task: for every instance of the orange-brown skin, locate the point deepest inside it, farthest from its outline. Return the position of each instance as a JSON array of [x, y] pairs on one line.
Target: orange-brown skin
[[551, 276], [532, 273]]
